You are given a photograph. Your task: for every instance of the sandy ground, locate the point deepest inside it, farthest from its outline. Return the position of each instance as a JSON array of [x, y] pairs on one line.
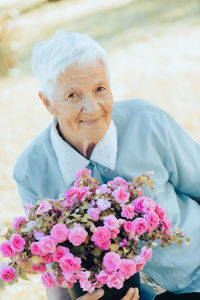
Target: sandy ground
[[160, 65]]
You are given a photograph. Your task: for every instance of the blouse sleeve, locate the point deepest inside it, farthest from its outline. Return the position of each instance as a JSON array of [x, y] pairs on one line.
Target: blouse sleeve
[[26, 193], [182, 159]]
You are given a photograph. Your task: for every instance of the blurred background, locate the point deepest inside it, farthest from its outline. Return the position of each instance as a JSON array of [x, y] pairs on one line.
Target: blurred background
[[154, 51]]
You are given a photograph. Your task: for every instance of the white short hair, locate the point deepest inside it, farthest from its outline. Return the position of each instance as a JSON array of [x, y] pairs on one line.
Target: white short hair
[[50, 58]]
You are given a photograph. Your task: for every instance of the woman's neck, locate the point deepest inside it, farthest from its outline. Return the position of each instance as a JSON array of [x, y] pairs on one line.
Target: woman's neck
[[84, 147]]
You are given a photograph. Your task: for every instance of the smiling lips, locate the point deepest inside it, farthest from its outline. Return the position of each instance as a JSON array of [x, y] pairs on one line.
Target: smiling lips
[[91, 122]]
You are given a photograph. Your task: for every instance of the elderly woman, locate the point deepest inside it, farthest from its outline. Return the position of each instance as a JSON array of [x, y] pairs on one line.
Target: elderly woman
[[129, 139]]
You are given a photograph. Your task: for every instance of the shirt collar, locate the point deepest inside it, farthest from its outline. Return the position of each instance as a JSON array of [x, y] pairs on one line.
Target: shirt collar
[[71, 161]]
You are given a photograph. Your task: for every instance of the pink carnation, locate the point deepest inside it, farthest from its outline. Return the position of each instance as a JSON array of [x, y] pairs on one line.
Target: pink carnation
[[85, 283], [111, 261], [152, 220], [72, 196], [120, 195], [40, 268], [47, 244], [103, 189], [128, 211], [59, 233], [94, 213], [7, 273], [7, 250], [69, 263], [160, 211], [59, 253], [127, 268], [101, 237], [43, 207], [17, 243], [49, 280], [77, 235], [140, 263], [18, 221], [115, 280], [123, 243]]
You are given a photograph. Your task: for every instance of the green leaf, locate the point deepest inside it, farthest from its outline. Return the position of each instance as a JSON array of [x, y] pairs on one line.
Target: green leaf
[[114, 247], [96, 252]]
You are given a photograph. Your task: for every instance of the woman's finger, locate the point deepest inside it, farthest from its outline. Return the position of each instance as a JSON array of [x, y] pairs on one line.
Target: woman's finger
[[92, 296]]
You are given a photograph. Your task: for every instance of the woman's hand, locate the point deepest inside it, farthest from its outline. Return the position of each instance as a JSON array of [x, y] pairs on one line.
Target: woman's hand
[[132, 294], [92, 296]]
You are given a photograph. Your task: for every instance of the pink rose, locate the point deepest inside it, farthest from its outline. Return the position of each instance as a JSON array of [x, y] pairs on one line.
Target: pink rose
[[7, 250], [69, 263], [72, 196], [59, 253], [118, 181], [146, 253], [144, 204], [101, 237], [17, 243], [70, 279], [120, 195], [59, 233], [35, 249], [166, 224], [111, 222], [38, 235], [160, 211], [123, 243], [103, 204], [83, 192], [40, 268], [7, 273], [49, 280], [128, 211], [115, 280], [48, 259], [111, 261], [140, 263], [43, 207], [127, 268], [47, 244], [152, 220], [128, 226], [77, 235], [18, 221], [82, 174], [29, 209], [102, 277], [85, 283], [94, 213], [140, 226]]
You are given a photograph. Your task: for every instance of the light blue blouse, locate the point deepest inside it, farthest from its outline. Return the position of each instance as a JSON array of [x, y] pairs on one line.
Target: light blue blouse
[[148, 139]]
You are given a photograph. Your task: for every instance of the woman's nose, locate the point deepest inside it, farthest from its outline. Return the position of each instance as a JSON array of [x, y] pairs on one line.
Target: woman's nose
[[90, 105]]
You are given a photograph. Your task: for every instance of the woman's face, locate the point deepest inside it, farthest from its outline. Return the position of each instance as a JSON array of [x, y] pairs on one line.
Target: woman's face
[[83, 102]]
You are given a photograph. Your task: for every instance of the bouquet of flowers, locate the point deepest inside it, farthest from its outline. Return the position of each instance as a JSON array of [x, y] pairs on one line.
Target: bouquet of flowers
[[93, 234]]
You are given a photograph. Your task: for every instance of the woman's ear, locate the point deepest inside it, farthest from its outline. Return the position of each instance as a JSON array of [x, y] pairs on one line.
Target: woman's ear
[[47, 104]]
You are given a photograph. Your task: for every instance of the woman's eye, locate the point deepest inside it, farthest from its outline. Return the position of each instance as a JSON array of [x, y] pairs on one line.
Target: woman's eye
[[100, 89], [72, 95]]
